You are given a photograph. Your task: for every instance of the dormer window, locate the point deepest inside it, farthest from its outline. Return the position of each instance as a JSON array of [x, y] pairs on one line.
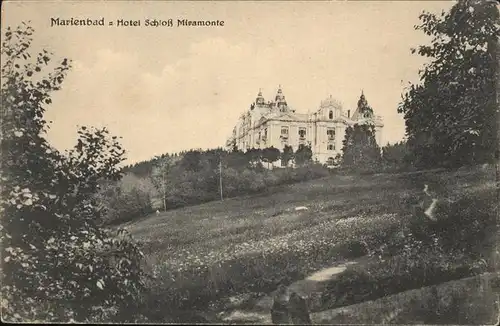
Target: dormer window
[[330, 115]]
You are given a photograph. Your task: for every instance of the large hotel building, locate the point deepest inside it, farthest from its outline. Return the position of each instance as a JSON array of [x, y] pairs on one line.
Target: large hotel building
[[275, 124]]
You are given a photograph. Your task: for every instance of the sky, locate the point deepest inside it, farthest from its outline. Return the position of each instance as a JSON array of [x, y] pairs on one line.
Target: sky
[[171, 89]]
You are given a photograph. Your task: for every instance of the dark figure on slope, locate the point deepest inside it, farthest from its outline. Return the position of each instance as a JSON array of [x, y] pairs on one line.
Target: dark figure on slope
[[279, 310], [299, 312]]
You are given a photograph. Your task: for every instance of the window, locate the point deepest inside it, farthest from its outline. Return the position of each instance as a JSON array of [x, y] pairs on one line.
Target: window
[[284, 131], [330, 161], [302, 132], [331, 133], [330, 115], [331, 147]]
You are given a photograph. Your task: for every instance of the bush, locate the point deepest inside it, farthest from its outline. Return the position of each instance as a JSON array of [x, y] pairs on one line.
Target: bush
[[58, 264], [352, 249], [126, 206]]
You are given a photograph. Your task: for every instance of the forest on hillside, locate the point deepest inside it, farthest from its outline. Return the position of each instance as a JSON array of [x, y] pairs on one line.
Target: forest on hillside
[[196, 176]]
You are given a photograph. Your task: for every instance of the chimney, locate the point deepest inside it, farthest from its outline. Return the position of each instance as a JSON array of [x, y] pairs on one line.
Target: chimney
[[348, 113]]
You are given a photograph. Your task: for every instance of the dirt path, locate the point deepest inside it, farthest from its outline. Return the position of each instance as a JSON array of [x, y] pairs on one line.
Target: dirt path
[[309, 288]]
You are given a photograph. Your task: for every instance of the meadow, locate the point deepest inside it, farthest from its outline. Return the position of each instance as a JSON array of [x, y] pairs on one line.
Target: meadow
[[204, 256]]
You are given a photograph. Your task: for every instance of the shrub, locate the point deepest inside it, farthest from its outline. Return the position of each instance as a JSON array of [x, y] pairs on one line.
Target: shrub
[[352, 249], [58, 263], [122, 206]]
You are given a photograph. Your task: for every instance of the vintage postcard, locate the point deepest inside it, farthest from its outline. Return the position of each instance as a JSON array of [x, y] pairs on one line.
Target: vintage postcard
[[250, 162]]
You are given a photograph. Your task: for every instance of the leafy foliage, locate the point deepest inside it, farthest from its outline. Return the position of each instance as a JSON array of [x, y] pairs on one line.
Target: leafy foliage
[[237, 160], [303, 155], [58, 263], [191, 161], [270, 155], [449, 115], [254, 155], [396, 156], [360, 149], [287, 155], [127, 199], [243, 173]]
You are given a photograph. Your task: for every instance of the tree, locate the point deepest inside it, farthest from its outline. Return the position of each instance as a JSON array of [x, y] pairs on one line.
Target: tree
[[360, 149], [287, 155], [270, 155], [254, 155], [129, 198], [211, 176], [213, 157], [191, 161], [396, 155], [140, 169], [161, 170], [449, 115], [58, 263], [237, 160], [303, 155]]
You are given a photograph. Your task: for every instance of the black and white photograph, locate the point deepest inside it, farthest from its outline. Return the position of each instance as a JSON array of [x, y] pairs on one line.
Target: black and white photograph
[[250, 162]]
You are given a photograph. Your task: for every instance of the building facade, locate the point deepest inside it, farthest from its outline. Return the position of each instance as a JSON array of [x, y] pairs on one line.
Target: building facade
[[275, 124]]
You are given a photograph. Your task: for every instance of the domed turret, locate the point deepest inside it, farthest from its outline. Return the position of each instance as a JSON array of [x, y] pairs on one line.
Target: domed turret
[[363, 111], [362, 102], [280, 100], [260, 99]]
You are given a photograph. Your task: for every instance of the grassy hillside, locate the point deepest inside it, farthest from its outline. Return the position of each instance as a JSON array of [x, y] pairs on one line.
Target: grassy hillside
[[204, 254]]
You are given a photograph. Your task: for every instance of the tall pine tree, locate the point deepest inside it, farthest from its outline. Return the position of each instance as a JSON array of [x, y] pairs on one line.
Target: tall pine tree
[[360, 149]]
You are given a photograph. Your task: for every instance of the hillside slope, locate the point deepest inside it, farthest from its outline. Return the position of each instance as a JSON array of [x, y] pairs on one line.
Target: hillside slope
[[252, 222], [203, 254]]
